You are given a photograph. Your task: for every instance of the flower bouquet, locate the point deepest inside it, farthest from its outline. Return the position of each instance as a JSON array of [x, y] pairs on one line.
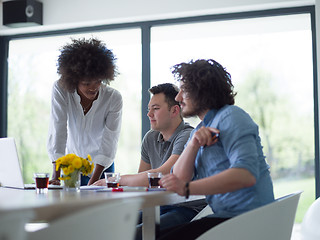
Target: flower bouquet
[[72, 166]]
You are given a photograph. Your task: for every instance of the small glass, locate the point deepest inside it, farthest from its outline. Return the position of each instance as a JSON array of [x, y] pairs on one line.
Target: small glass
[[42, 182], [112, 179], [154, 178]]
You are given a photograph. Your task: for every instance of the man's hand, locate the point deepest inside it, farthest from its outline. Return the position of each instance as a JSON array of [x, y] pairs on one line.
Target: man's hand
[[205, 136], [172, 183]]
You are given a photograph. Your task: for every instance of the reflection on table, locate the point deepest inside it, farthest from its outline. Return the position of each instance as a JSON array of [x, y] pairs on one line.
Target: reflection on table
[[58, 203]]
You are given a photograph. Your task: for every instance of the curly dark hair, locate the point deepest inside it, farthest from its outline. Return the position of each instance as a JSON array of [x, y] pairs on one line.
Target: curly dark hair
[[206, 82], [85, 59], [169, 90]]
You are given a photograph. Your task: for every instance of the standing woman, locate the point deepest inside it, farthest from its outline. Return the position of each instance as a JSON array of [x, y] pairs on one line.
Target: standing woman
[[85, 112]]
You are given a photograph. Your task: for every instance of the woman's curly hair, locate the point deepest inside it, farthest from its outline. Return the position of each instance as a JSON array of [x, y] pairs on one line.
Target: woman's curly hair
[[85, 59], [206, 82]]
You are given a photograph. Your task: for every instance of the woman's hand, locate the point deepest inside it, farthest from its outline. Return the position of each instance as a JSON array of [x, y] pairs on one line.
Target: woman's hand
[[101, 182], [172, 183], [54, 182], [55, 176]]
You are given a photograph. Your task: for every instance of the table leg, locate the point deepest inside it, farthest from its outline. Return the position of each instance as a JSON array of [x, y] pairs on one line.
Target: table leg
[[150, 219]]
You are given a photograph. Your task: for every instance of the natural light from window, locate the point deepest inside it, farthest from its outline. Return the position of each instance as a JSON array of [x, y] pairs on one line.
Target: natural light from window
[[270, 61]]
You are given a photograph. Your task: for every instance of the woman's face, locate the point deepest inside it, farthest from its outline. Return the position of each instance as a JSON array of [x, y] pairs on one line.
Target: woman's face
[[89, 89]]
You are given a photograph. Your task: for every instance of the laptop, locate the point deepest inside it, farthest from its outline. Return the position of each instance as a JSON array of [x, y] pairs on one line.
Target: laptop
[[10, 170]]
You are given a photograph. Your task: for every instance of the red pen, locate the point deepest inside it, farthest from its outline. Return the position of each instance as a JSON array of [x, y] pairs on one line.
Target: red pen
[[117, 189], [129, 189]]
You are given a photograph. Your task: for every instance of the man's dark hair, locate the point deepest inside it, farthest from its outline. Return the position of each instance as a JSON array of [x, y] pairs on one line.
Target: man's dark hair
[[85, 59], [206, 82], [169, 90]]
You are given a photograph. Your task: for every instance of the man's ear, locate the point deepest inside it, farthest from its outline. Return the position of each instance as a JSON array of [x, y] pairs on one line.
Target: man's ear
[[175, 109]]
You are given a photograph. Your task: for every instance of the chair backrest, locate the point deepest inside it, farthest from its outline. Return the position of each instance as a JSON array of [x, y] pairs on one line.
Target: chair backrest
[[116, 221], [271, 221], [310, 227], [203, 213]]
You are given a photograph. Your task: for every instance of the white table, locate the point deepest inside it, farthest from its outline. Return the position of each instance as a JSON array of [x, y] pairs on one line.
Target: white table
[[57, 203]]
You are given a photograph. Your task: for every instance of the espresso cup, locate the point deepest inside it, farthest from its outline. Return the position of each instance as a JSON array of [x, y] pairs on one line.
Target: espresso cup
[[112, 179], [42, 182], [154, 178]]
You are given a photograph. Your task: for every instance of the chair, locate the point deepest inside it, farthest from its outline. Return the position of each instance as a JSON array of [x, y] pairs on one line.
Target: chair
[[116, 221], [203, 213], [310, 227], [272, 221]]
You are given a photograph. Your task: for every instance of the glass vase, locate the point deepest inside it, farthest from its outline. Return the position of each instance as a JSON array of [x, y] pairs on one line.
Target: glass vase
[[72, 184]]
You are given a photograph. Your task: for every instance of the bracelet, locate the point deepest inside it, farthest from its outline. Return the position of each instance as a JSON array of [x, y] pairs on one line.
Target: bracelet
[[187, 190]]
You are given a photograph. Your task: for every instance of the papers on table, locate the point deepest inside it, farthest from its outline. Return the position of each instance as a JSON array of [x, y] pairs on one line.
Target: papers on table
[[130, 189], [120, 189], [91, 187], [124, 189]]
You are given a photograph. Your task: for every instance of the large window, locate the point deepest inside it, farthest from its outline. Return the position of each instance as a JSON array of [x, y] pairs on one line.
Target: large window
[[270, 61], [32, 72], [269, 58]]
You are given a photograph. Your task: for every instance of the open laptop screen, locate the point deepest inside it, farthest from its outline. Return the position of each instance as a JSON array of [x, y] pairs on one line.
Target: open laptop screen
[[10, 170]]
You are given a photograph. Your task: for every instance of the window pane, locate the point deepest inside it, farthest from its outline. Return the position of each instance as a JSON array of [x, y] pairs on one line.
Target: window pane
[[270, 60], [32, 71]]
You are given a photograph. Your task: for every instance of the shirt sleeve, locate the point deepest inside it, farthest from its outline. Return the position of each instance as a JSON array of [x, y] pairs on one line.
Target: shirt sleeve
[[57, 135], [240, 137], [111, 132]]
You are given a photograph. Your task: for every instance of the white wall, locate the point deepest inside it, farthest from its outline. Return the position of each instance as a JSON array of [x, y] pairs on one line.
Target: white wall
[[61, 14]]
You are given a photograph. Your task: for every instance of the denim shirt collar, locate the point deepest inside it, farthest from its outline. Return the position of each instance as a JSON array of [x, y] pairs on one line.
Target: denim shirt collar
[[208, 118], [211, 114]]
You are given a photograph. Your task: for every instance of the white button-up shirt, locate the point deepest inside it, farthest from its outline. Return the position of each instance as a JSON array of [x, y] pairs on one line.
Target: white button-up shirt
[[95, 133]]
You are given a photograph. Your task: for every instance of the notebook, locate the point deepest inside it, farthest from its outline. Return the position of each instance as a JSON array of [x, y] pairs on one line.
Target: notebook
[[10, 170]]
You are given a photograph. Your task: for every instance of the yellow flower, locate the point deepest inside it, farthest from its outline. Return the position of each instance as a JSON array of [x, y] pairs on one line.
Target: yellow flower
[[57, 165], [70, 168], [71, 162], [77, 163], [64, 178], [65, 170]]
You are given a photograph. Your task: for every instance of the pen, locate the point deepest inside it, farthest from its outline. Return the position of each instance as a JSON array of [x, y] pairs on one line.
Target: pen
[[214, 136]]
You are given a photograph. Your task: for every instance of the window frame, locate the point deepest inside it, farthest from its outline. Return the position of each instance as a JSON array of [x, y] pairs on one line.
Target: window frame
[[145, 27]]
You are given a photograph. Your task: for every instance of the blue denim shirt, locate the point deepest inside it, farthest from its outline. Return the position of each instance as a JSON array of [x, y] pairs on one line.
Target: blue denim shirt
[[239, 146]]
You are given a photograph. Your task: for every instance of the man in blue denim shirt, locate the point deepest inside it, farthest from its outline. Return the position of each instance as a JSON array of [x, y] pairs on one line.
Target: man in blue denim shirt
[[229, 169]]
